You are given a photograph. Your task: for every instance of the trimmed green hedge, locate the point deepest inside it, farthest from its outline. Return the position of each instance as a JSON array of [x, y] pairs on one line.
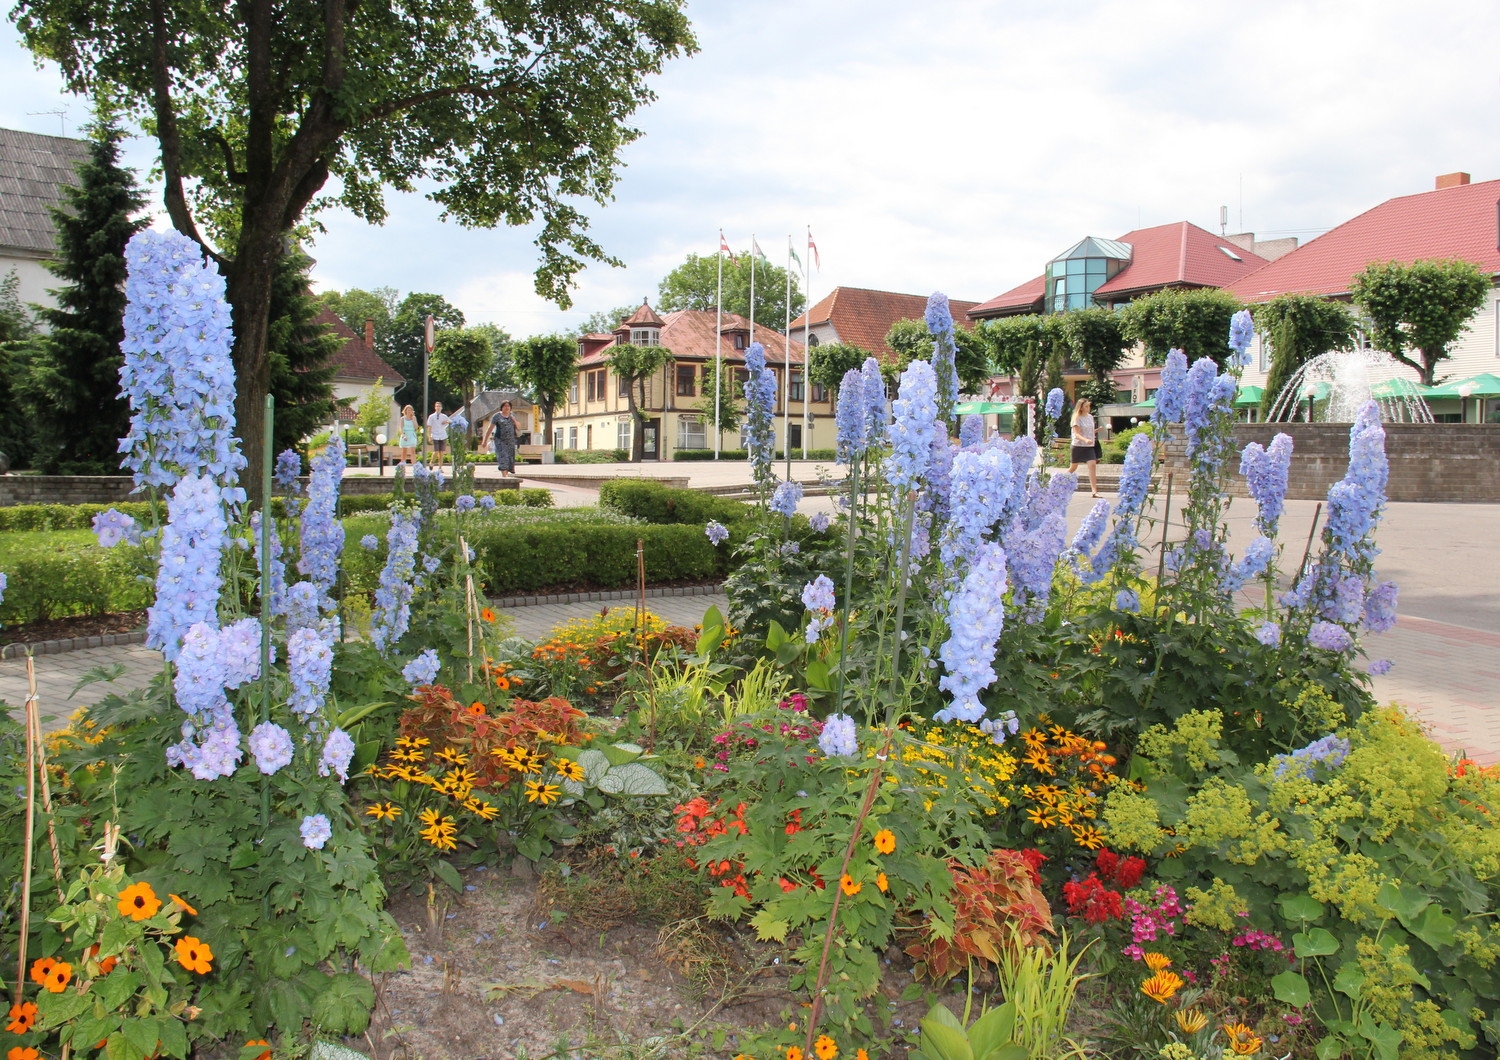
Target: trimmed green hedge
[[527, 558], [60, 581], [744, 454], [666, 505], [379, 502]]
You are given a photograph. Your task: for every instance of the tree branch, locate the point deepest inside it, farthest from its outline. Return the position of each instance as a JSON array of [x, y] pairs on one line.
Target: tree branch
[[173, 195], [235, 176], [396, 106]]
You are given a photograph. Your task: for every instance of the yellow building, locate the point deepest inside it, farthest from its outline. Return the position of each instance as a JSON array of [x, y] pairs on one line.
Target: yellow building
[[677, 413]]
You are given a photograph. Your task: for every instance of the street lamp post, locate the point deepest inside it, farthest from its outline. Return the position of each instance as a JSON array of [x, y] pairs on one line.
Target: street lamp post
[[380, 441]]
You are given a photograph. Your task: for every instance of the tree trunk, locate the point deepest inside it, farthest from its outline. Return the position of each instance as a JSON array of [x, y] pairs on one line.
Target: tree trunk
[[637, 438], [248, 289]]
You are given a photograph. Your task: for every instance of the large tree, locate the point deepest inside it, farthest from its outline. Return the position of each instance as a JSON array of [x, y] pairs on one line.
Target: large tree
[[912, 341], [1010, 338], [1195, 321], [1417, 311], [408, 352], [16, 329], [355, 306], [460, 358], [636, 365], [604, 321], [70, 385], [516, 109], [695, 285], [546, 365], [501, 373], [1297, 328], [299, 348]]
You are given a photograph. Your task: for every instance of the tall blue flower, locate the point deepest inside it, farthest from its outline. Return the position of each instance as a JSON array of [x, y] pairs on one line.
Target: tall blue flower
[[201, 673], [1169, 396], [717, 532], [1380, 607], [310, 670], [851, 419], [939, 468], [1355, 501], [784, 501], [322, 533], [1135, 476], [981, 482], [1241, 334], [277, 604], [914, 414], [176, 372], [1265, 471], [112, 527], [422, 670], [212, 750], [879, 415], [394, 594], [1197, 403], [1330, 752], [271, 747], [1054, 404], [187, 575], [760, 401], [974, 627], [338, 752], [1252, 564], [971, 431], [1091, 530], [316, 831], [944, 350], [288, 467], [839, 736]]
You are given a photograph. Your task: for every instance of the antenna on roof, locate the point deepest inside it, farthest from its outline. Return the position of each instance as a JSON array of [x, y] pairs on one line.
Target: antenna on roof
[[62, 118], [1223, 221]]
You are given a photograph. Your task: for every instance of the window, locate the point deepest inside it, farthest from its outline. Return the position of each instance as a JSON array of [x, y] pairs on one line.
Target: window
[[796, 439], [1265, 355], [573, 391], [692, 432], [572, 437], [819, 393], [624, 390], [813, 340], [622, 434], [797, 386], [588, 437], [645, 336], [595, 385], [739, 340], [557, 438], [687, 380]]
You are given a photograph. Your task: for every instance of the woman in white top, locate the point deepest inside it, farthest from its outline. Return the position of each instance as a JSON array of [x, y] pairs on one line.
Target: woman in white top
[[1084, 448]]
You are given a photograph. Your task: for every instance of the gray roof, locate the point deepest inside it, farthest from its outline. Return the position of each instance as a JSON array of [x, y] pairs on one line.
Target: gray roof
[[33, 169]]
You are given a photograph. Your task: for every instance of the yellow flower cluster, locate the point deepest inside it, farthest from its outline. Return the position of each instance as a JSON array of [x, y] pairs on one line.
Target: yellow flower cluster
[[1063, 775], [985, 767], [440, 831], [408, 762]]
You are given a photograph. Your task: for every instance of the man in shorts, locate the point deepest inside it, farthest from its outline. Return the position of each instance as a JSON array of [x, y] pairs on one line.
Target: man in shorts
[[437, 431]]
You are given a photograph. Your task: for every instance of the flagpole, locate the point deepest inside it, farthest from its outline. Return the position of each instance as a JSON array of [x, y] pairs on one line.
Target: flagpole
[[786, 386], [753, 248], [806, 349], [719, 346]]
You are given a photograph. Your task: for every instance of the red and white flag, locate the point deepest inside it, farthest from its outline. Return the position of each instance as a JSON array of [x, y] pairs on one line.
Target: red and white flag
[[813, 247], [724, 246]]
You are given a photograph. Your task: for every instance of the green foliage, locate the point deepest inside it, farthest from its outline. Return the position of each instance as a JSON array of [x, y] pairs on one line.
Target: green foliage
[[730, 401], [501, 373], [636, 365], [407, 351], [991, 1037], [744, 454], [299, 349], [1097, 342], [16, 326], [1417, 311], [546, 365], [695, 285], [374, 412], [603, 321], [1011, 338], [1195, 321], [459, 358], [913, 342], [60, 580], [355, 306], [70, 383], [1299, 327], [657, 503], [831, 361]]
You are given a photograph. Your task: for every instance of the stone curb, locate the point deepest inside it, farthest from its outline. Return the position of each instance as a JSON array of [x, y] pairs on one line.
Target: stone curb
[[111, 640]]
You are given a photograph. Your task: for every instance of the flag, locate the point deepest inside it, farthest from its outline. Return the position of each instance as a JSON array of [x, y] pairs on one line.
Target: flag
[[757, 252], [817, 261], [724, 247], [792, 253]]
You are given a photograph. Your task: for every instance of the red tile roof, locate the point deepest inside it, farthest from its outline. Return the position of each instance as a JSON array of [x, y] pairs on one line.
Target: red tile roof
[[861, 317], [1180, 254], [689, 334], [354, 361], [644, 317], [1457, 222]]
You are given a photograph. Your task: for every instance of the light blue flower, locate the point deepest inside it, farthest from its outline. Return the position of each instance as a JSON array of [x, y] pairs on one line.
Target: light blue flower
[[1269, 634], [316, 831], [1241, 334], [187, 576], [760, 401], [487, 502], [817, 595], [974, 628], [463, 503], [111, 527], [369, 542], [422, 670], [288, 467], [1380, 667], [1380, 608], [211, 751], [786, 498], [1329, 637], [878, 419], [277, 604], [1054, 404], [394, 594], [716, 532], [1329, 752], [322, 532], [1169, 396], [309, 669], [839, 736], [851, 418], [338, 752], [971, 431], [818, 521], [944, 349], [1265, 471], [914, 416], [1127, 600], [271, 746], [980, 485]]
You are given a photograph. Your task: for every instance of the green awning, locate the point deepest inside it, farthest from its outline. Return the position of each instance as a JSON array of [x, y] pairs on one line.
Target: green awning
[[1484, 385], [1248, 396], [984, 408], [1390, 389]]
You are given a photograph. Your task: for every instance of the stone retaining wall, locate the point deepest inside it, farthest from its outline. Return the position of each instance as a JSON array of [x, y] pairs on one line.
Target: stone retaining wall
[[111, 489], [1429, 461]]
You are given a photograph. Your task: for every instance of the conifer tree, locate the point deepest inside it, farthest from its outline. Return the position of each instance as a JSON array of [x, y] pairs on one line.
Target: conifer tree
[[301, 375], [69, 380]]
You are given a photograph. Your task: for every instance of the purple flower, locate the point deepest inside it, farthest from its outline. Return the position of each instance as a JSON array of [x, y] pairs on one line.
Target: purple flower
[[1330, 751], [369, 542], [980, 484], [3, 582], [1054, 404], [1329, 637], [1265, 472], [1380, 667], [760, 400], [1196, 401], [1380, 607], [1169, 396], [422, 670], [338, 752], [322, 533], [1241, 333], [112, 527], [288, 467], [914, 414], [818, 521], [878, 418], [851, 419], [786, 498], [1257, 557], [187, 575], [944, 352], [316, 831], [487, 502], [839, 736], [974, 627], [309, 668], [277, 604], [394, 594], [216, 750], [971, 431], [271, 745], [716, 532], [1135, 476], [1269, 634], [1091, 530], [817, 595], [239, 652], [463, 503], [1127, 600]]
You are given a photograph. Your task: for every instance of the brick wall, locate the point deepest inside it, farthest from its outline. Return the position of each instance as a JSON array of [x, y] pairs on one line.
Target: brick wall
[[1429, 461]]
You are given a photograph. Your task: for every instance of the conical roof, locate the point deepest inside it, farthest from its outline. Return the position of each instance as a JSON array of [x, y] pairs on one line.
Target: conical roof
[[644, 317]]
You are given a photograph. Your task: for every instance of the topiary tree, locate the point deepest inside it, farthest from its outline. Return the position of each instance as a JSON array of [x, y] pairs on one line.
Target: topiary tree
[[1009, 338], [546, 366], [729, 397], [459, 358], [913, 342], [1296, 328], [1195, 321], [1419, 308], [1096, 341], [636, 365], [830, 362]]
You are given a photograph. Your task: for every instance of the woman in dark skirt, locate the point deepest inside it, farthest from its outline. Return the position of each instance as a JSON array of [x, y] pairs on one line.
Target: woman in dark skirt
[[1085, 449], [504, 430]]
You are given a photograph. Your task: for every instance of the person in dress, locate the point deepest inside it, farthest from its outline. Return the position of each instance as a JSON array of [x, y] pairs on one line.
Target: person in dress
[[1084, 446], [408, 439], [503, 431]]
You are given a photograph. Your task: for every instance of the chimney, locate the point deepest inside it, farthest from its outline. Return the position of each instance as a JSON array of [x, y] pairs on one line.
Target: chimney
[[1452, 180], [369, 333]]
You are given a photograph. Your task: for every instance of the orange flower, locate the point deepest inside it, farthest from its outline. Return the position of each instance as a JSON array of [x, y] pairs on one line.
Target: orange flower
[[1242, 1039], [503, 683], [1158, 961], [194, 955], [849, 885], [23, 1054], [1161, 986], [476, 708], [39, 969], [881, 882], [260, 1041], [139, 901], [860, 1054], [22, 1018], [794, 1053], [486, 614], [885, 841], [825, 1048], [180, 904], [57, 977], [108, 965]]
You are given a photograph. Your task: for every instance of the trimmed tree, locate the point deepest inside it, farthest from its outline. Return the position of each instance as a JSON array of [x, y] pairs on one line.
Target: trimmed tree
[[71, 384], [729, 397], [830, 362], [299, 348], [1417, 311], [547, 365], [1095, 341], [408, 331], [459, 358], [1195, 321], [1296, 328], [636, 365], [518, 110], [913, 342], [1009, 338]]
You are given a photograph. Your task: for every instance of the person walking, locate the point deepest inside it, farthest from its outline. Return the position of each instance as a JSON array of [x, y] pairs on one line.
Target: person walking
[[408, 439], [437, 432], [503, 431], [1085, 448]]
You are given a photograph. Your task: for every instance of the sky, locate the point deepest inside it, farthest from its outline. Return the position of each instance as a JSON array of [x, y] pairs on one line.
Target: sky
[[958, 146]]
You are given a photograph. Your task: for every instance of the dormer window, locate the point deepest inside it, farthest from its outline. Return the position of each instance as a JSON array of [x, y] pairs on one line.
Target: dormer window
[[739, 340], [645, 336]]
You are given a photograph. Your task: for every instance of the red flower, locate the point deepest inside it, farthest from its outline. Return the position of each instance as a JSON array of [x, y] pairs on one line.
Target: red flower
[[1034, 858], [1092, 901], [794, 822], [1124, 873]]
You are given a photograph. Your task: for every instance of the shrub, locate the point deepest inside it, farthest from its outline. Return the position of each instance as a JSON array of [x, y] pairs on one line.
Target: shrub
[[60, 581], [657, 503], [592, 456], [24, 517], [1114, 447], [744, 454]]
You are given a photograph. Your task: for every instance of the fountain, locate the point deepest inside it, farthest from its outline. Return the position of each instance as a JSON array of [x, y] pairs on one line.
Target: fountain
[[1332, 387]]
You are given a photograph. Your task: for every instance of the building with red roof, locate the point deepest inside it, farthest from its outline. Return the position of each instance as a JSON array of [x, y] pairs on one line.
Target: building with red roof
[[861, 317], [678, 408], [357, 368]]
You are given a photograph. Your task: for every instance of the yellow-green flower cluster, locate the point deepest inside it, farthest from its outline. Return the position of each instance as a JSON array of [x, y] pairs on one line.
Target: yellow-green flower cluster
[[986, 767]]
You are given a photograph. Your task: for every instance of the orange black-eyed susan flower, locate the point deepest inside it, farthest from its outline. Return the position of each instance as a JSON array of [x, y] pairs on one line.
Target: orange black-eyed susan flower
[[383, 811], [885, 841], [1161, 986], [39, 969], [57, 978], [194, 955], [487, 614], [476, 709], [182, 904], [1190, 1020], [539, 792], [139, 901], [794, 1053], [849, 885], [1242, 1040], [1087, 836], [825, 1048], [453, 756], [22, 1017]]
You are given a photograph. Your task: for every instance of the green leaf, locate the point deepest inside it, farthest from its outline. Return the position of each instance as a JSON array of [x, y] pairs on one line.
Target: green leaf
[[1386, 1040], [775, 636], [992, 1031], [448, 874], [1434, 927], [1349, 980], [113, 989], [1300, 908], [817, 676], [344, 1006], [144, 1034], [594, 764], [1330, 1048], [116, 936], [621, 753], [174, 1040], [1319, 942], [942, 1042], [1291, 988], [632, 779], [1401, 901], [769, 926], [118, 1047]]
